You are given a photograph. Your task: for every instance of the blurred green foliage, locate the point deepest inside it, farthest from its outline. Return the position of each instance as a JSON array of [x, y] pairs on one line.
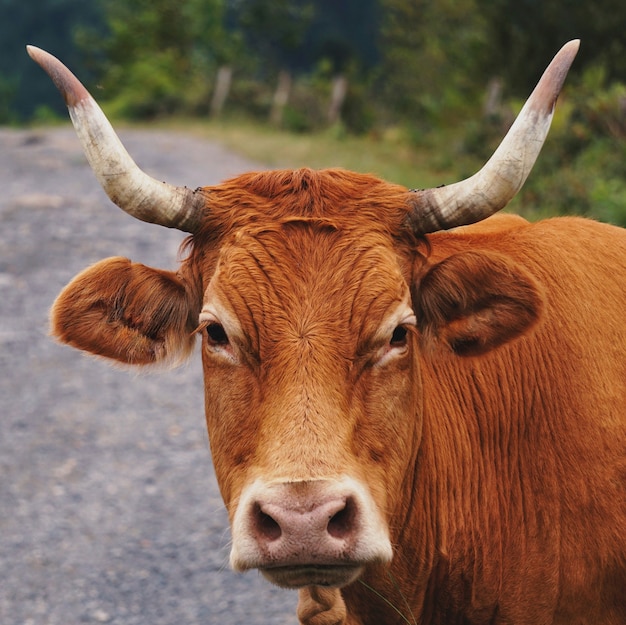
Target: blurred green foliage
[[157, 55], [583, 168], [49, 24], [449, 74]]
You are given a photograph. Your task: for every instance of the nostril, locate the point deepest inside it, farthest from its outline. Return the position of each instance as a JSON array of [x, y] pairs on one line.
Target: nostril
[[341, 524], [334, 518], [265, 526]]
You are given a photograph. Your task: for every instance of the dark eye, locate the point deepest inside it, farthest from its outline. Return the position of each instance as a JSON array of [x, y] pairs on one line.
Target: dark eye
[[216, 334], [399, 336]]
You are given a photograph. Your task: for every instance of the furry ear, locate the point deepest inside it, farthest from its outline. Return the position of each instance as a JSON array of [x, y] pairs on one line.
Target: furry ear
[[476, 301], [125, 311]]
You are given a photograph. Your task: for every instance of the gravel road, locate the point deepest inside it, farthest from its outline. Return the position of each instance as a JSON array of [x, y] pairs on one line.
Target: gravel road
[[109, 508]]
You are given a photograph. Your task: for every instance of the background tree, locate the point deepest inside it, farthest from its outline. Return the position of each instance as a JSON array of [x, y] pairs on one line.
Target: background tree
[[432, 59], [51, 24], [521, 34], [432, 55], [343, 49], [161, 54], [311, 45], [276, 32]]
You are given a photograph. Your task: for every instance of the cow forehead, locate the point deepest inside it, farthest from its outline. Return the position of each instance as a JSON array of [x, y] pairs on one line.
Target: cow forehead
[[308, 276], [349, 197]]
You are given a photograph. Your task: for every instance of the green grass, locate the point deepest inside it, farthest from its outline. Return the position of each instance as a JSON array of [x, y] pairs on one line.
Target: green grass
[[388, 155]]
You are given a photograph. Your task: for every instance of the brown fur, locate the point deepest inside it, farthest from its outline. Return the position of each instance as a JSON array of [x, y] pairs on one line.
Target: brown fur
[[495, 448]]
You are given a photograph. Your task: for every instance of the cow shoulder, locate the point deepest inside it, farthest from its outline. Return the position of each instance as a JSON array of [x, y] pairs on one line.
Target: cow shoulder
[[474, 301], [500, 222], [125, 311]]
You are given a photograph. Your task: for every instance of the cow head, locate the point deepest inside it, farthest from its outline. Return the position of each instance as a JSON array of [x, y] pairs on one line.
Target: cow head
[[315, 299]]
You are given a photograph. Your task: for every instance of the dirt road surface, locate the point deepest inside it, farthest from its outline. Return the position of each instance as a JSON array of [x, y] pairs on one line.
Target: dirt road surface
[[109, 509]]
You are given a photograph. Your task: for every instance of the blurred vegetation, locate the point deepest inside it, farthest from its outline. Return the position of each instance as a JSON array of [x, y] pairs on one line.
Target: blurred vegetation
[[435, 82]]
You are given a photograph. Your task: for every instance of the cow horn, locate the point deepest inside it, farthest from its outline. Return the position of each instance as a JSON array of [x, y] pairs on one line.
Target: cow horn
[[125, 183], [491, 188]]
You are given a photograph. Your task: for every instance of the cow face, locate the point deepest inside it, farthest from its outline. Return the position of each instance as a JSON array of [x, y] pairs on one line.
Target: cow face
[[307, 354]]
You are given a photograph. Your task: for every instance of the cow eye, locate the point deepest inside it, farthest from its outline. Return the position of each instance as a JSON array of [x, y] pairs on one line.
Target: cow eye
[[216, 334], [399, 337]]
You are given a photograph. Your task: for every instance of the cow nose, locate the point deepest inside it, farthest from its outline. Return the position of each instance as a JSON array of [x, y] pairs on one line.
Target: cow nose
[[292, 523], [309, 532]]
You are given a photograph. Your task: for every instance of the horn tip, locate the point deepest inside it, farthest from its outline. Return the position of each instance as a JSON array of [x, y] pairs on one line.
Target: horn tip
[[70, 87], [570, 49], [544, 97], [37, 54]]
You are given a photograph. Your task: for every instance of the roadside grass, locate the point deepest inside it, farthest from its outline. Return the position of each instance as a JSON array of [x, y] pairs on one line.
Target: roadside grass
[[388, 155]]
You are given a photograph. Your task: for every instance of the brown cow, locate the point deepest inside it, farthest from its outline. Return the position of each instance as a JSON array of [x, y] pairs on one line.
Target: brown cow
[[409, 424]]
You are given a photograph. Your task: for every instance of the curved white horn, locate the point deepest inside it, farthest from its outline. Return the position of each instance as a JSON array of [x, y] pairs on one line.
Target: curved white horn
[[125, 183], [490, 189]]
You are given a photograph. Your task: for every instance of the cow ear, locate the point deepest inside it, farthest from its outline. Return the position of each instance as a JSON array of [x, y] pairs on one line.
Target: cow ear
[[476, 301], [127, 312]]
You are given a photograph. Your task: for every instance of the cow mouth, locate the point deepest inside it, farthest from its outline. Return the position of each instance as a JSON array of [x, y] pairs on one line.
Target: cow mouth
[[299, 576]]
